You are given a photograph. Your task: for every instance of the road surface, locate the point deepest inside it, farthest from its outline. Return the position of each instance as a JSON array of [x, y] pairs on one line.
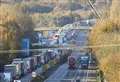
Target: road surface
[[28, 77], [63, 74], [62, 71]]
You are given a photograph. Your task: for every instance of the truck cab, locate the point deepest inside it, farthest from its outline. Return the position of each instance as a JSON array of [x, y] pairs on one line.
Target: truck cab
[[10, 72], [72, 62], [84, 61]]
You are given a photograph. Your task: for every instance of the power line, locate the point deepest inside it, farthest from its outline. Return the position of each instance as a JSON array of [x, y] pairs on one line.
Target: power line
[[94, 9]]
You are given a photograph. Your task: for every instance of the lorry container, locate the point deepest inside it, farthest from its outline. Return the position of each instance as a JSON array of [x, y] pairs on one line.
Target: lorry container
[[42, 59], [32, 63], [27, 65], [10, 71], [1, 77], [49, 55], [45, 58], [35, 61], [38, 59], [48, 58], [20, 68], [24, 64], [7, 77]]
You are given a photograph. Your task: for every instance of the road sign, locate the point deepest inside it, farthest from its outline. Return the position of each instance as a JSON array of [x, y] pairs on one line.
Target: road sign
[[25, 45]]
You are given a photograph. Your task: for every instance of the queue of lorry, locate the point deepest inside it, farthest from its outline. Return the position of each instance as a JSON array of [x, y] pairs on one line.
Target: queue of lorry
[[23, 66]]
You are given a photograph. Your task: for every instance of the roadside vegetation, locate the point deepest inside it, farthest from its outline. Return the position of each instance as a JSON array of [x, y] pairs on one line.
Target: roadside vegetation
[[107, 32], [38, 79], [18, 20], [51, 13], [14, 25]]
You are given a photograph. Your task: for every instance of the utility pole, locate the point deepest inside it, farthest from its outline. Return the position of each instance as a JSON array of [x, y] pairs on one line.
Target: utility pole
[[71, 14], [96, 12]]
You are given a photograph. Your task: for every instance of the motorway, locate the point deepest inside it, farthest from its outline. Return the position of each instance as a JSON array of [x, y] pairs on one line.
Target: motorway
[[62, 72], [28, 77], [65, 75], [64, 68]]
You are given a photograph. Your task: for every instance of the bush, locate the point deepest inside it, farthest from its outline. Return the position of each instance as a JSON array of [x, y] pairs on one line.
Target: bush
[[14, 25], [107, 32], [38, 79]]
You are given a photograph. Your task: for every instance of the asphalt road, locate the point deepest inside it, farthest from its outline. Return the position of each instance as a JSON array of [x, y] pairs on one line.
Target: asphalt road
[[62, 71], [63, 74], [58, 74], [28, 77]]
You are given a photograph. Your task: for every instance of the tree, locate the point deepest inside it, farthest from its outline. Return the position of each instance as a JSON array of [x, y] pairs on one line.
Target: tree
[[14, 25], [107, 32]]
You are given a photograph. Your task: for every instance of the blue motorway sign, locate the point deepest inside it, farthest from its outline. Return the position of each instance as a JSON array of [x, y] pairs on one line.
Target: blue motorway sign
[[25, 45]]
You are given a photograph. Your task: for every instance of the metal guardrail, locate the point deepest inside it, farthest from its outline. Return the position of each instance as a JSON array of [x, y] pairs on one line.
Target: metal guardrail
[[71, 80]]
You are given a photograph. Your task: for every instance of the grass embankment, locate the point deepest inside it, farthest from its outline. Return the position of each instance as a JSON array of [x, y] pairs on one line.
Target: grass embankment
[[107, 32]]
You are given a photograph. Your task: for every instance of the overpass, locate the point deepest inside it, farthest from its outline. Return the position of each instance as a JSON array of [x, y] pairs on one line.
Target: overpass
[[57, 28], [77, 25]]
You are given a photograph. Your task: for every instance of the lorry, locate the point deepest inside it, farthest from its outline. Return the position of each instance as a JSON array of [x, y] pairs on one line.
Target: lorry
[[32, 63], [84, 61], [7, 77], [72, 62], [38, 59], [19, 68], [35, 62], [27, 65], [10, 72], [42, 59]]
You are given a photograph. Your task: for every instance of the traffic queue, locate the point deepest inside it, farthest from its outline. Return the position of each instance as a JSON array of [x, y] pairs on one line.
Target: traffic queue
[[22, 66], [85, 61]]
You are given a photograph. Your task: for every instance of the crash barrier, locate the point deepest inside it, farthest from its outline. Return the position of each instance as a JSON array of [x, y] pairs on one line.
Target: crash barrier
[[72, 80]]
